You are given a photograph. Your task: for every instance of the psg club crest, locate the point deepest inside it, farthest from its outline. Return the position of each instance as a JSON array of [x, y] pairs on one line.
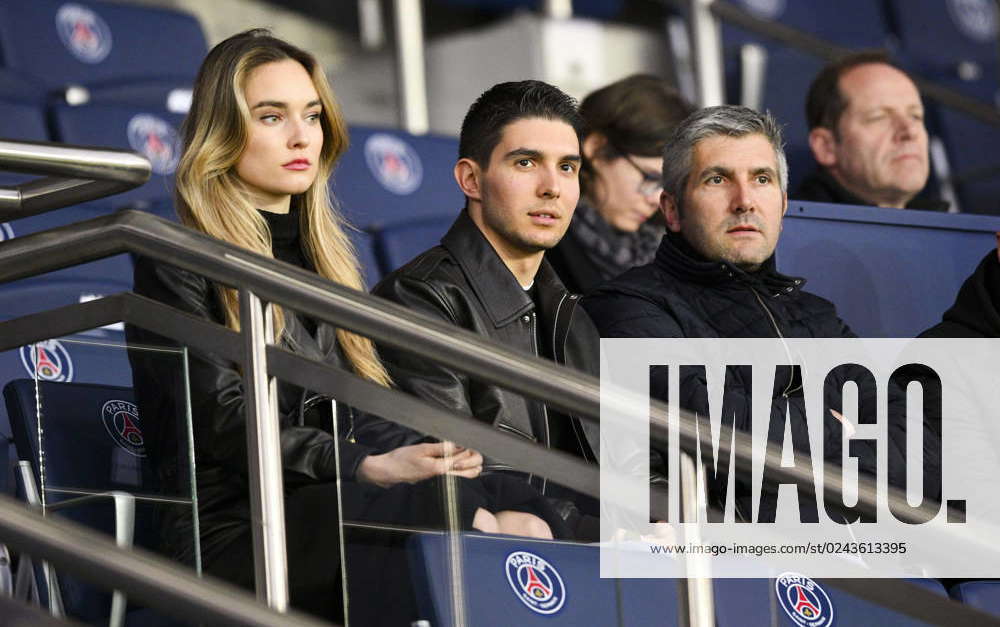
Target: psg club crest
[[6, 232], [393, 163], [49, 360], [803, 600], [156, 139], [83, 32], [977, 19], [535, 582], [121, 419]]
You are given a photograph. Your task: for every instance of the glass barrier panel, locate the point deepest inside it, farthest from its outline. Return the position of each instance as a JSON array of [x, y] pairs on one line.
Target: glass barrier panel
[[87, 451]]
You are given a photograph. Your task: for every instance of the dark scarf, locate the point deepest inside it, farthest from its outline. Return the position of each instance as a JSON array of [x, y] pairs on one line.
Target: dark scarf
[[611, 250]]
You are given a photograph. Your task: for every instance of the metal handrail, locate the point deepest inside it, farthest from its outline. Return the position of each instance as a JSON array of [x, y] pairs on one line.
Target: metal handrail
[[158, 582], [383, 321], [829, 51], [307, 293], [72, 175]]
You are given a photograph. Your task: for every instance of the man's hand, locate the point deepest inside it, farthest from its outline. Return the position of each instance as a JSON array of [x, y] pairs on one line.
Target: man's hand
[[414, 463]]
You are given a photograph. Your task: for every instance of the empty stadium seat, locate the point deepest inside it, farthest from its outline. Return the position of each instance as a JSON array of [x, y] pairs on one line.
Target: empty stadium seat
[[496, 581], [947, 39], [973, 161], [787, 73], [891, 273], [364, 245], [741, 602], [851, 23], [98, 44], [151, 132], [982, 595], [390, 176], [586, 8], [498, 588], [20, 121], [65, 359], [399, 243], [93, 443]]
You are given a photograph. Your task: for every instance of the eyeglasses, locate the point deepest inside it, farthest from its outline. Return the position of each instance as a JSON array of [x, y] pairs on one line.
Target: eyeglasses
[[650, 183]]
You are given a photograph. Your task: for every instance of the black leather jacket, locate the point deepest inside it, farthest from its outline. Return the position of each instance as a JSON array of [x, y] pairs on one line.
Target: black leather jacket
[[217, 410], [465, 282]]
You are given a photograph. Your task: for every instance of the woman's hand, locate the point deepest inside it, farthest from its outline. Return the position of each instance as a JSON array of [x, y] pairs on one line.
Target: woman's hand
[[417, 462]]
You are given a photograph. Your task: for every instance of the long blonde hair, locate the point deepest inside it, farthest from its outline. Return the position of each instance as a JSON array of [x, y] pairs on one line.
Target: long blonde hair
[[211, 197]]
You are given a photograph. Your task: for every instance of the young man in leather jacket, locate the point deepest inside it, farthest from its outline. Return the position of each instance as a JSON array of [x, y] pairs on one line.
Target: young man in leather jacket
[[518, 166]]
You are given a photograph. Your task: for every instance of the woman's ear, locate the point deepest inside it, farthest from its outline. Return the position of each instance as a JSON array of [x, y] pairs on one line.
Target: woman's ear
[[467, 175]]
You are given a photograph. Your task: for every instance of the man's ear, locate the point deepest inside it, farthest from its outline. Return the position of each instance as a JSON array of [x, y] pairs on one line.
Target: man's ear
[[824, 146], [671, 214], [593, 144], [468, 176]]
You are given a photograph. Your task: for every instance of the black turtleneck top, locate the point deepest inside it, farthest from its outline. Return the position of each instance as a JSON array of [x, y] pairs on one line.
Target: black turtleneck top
[[286, 245]]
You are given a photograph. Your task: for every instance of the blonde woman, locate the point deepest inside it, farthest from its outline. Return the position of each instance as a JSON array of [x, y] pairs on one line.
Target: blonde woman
[[262, 137]]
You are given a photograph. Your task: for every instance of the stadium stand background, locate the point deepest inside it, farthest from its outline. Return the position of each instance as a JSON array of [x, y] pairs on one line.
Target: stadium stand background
[[397, 188]]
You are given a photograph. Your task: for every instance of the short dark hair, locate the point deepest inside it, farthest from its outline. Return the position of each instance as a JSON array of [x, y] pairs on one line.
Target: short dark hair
[[825, 102], [505, 103], [635, 114]]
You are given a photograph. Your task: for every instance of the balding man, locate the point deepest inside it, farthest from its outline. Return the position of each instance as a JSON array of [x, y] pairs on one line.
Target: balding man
[[867, 134]]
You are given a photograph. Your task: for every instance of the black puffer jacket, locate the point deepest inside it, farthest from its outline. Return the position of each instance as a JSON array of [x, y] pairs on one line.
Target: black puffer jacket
[[681, 295], [976, 312], [464, 282], [218, 413]]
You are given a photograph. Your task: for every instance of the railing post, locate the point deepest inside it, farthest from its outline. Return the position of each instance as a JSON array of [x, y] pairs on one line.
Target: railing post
[[707, 53], [559, 9], [699, 600], [411, 74], [267, 508]]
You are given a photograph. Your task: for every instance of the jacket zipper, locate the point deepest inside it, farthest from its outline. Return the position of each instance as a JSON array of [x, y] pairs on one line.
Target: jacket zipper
[[545, 411], [574, 423], [516, 431], [788, 353]]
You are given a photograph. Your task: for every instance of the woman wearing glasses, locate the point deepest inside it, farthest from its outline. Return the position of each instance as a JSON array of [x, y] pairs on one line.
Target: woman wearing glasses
[[615, 226]]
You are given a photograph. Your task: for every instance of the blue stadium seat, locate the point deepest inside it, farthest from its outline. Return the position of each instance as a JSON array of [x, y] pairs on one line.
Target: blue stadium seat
[[585, 8], [65, 359], [364, 244], [850, 23], [390, 176], [154, 133], [982, 595], [93, 443], [96, 43], [891, 273], [947, 39], [788, 73], [498, 586], [20, 121], [972, 157], [399, 243], [741, 602], [495, 579]]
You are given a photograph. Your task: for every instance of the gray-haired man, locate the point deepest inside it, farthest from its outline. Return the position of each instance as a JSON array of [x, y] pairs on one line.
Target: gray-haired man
[[724, 196]]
